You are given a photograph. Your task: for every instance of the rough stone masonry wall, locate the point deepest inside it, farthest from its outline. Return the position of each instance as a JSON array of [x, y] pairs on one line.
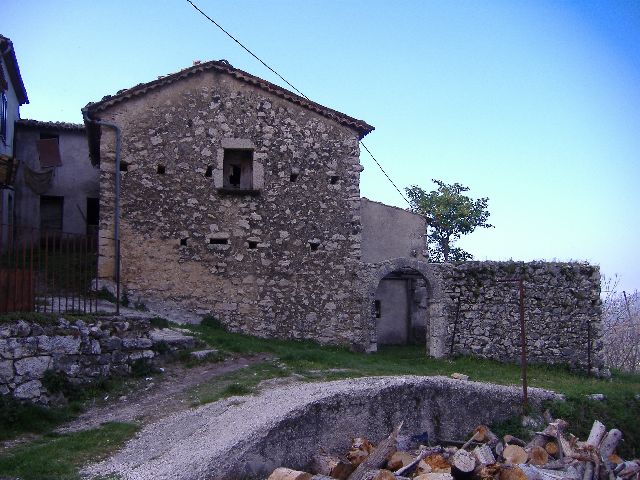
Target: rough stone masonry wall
[[562, 311], [81, 351], [280, 288]]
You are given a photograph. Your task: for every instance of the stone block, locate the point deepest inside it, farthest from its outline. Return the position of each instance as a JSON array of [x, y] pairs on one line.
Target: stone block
[[29, 390], [136, 343], [6, 371], [110, 344], [67, 344], [33, 367]]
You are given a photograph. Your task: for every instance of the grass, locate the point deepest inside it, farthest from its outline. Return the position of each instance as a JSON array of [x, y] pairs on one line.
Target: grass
[[309, 361], [59, 457]]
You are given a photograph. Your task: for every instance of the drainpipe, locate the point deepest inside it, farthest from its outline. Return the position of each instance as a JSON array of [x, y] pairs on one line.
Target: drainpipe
[[117, 200]]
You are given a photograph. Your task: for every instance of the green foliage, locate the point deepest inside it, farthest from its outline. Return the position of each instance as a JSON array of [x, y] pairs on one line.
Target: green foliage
[[59, 456], [212, 322], [105, 294], [19, 417], [450, 214], [159, 322], [124, 298]]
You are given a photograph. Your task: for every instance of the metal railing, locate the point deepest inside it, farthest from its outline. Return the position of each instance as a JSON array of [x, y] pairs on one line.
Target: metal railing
[[47, 270]]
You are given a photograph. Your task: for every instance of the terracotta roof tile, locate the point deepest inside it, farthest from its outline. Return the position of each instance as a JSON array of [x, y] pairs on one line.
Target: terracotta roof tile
[[360, 126], [28, 123]]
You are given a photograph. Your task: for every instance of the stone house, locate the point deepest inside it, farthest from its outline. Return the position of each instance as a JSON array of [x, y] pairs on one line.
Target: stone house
[[57, 187], [240, 199]]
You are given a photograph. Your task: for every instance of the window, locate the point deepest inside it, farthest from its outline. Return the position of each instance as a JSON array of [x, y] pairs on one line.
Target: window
[[49, 150], [51, 213], [93, 215], [237, 169], [3, 118]]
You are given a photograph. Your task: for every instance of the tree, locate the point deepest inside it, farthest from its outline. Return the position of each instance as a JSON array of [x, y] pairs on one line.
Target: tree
[[621, 327], [449, 214]]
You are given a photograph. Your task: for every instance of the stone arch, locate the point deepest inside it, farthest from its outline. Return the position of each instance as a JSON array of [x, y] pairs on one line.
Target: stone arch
[[435, 300]]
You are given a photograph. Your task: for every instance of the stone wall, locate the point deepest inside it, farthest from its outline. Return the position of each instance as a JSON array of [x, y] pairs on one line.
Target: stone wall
[[561, 303], [83, 352], [291, 261]]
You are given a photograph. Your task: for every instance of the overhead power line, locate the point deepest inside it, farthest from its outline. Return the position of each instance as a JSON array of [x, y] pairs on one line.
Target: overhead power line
[[294, 88]]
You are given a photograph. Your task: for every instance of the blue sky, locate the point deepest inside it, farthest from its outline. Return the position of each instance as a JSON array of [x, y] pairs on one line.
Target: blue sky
[[534, 104]]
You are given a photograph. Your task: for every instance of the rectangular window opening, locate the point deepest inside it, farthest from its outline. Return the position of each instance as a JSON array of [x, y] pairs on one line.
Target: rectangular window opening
[[377, 309], [3, 117], [209, 172], [162, 169], [51, 209], [334, 179], [218, 241], [93, 215], [124, 166], [238, 169], [293, 177], [183, 242], [49, 150], [253, 245], [314, 245]]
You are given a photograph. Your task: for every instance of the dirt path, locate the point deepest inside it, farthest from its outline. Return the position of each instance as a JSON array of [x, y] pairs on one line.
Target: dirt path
[[162, 395]]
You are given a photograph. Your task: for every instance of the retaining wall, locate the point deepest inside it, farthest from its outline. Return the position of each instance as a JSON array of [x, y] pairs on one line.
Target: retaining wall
[[83, 352]]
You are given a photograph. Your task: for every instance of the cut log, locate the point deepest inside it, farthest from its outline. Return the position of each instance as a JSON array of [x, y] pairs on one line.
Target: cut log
[[399, 460], [534, 473], [610, 442], [437, 463], [381, 475], [511, 440], [484, 455], [551, 448], [482, 433], [378, 457], [332, 466], [538, 456], [511, 472], [627, 469], [434, 476], [360, 449], [514, 454], [597, 433], [289, 474], [462, 465]]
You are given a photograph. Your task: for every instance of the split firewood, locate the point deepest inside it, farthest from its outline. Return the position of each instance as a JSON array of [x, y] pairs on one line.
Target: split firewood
[[627, 469], [588, 472], [484, 455], [538, 456], [332, 466], [462, 465], [535, 473], [514, 454], [380, 475], [322, 477], [399, 460], [407, 469], [289, 474], [488, 472], [511, 440], [597, 434], [610, 442], [360, 449], [378, 457], [437, 463]]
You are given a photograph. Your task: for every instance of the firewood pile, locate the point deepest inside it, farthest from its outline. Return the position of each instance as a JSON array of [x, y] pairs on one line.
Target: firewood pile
[[552, 454]]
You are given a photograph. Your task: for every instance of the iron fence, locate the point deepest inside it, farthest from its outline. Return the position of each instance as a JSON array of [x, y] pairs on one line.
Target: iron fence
[[47, 270]]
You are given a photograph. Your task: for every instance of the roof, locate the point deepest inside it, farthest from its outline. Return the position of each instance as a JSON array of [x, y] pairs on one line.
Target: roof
[[38, 124], [9, 59], [223, 66]]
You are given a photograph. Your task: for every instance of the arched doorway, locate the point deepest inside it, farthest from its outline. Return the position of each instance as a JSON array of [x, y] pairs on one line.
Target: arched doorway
[[401, 308], [405, 299]]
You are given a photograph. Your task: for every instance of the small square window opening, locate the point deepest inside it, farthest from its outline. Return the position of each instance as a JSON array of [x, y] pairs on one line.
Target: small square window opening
[[238, 169]]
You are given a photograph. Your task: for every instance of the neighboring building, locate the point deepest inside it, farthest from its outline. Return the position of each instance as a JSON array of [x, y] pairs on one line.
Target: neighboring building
[[57, 187], [12, 95]]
